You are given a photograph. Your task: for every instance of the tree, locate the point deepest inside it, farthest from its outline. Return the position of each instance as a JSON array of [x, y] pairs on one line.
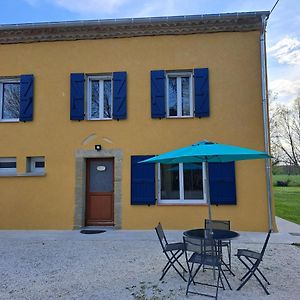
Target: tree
[[285, 132]]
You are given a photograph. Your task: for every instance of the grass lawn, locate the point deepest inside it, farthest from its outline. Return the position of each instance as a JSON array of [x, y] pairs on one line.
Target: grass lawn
[[287, 203]]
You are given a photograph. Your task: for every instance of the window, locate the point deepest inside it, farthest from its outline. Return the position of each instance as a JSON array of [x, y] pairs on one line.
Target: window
[[99, 98], [9, 100], [36, 164], [180, 183], [179, 95], [8, 165]]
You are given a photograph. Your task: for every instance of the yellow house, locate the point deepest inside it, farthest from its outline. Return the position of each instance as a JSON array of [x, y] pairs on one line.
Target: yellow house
[[83, 102]]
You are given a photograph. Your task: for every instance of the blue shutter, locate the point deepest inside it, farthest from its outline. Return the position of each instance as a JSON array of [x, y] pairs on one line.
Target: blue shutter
[[26, 98], [142, 181], [158, 102], [77, 96], [201, 84], [222, 183], [120, 95]]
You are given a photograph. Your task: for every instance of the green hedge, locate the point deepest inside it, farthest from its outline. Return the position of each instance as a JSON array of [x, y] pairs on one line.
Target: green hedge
[[286, 180]]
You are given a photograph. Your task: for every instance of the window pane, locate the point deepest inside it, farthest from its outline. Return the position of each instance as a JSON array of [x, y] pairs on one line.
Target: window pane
[[39, 164], [8, 164], [172, 93], [169, 181], [107, 99], [11, 101], [185, 96], [193, 181], [95, 99]]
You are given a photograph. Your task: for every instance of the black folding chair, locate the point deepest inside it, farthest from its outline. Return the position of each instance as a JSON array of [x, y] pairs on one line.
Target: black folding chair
[[251, 260], [204, 253], [223, 225], [173, 251]]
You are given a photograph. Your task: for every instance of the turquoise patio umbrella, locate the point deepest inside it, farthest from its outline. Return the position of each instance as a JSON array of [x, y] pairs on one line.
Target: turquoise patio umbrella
[[206, 151]]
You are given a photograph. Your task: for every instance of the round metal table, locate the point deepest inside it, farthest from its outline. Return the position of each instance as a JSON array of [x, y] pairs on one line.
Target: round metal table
[[218, 234]]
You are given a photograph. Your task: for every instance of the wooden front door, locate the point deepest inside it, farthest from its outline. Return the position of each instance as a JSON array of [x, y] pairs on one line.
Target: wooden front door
[[100, 192]]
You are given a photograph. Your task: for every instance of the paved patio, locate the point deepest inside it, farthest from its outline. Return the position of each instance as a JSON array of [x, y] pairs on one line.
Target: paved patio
[[125, 265]]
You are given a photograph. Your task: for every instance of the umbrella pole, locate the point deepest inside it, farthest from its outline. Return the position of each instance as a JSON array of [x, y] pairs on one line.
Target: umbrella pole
[[206, 183], [207, 192]]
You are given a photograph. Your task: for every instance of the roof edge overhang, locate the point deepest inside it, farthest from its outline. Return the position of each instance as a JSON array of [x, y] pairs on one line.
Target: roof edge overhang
[[121, 28]]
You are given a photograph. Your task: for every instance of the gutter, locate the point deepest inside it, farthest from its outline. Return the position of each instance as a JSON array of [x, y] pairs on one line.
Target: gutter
[[145, 20], [126, 28], [264, 78]]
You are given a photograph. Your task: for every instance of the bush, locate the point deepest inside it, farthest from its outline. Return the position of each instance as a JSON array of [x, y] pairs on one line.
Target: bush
[[282, 182]]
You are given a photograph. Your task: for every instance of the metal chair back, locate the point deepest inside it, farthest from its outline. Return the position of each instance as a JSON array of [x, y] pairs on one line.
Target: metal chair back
[[161, 235], [205, 247], [217, 224], [265, 245]]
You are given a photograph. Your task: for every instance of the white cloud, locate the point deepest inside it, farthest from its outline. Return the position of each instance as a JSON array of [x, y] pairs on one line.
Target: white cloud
[[286, 51], [90, 6], [286, 90], [157, 7]]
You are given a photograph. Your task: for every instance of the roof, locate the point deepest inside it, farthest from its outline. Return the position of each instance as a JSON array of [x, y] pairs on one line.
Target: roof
[[120, 28]]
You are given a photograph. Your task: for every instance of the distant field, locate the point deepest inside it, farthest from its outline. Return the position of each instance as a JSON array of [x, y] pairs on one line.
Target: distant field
[[287, 203], [294, 180]]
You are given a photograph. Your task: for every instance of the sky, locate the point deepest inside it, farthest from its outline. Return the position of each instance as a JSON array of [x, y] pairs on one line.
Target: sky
[[283, 29]]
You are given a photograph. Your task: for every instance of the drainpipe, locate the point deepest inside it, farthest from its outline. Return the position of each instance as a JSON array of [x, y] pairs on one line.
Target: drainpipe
[[263, 59]]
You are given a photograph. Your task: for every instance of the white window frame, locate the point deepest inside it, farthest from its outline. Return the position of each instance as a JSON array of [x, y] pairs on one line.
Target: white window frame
[[5, 171], [3, 81], [101, 79], [178, 76], [31, 164], [181, 199]]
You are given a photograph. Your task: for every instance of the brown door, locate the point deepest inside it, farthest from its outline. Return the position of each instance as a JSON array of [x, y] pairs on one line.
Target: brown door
[[100, 192]]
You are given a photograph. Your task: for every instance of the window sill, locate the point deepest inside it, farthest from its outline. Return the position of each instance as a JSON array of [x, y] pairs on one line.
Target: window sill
[[99, 119], [10, 121], [40, 174], [178, 117], [182, 204]]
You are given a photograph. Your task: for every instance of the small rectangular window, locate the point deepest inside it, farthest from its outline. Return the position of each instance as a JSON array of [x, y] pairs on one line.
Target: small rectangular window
[[179, 94], [9, 100], [99, 98], [8, 165], [36, 164], [180, 183]]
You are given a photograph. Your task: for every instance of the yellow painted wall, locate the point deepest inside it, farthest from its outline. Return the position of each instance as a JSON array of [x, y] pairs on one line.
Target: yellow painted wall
[[236, 118]]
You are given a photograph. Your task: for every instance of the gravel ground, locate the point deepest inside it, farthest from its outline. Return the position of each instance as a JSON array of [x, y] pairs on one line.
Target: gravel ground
[[121, 265]]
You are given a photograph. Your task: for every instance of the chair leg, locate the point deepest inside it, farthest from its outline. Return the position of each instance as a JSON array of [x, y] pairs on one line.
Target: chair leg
[[219, 275], [222, 283], [259, 281], [226, 279], [227, 267], [249, 269], [196, 272], [183, 268], [261, 274], [171, 263], [251, 273], [190, 279], [175, 257], [229, 254]]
